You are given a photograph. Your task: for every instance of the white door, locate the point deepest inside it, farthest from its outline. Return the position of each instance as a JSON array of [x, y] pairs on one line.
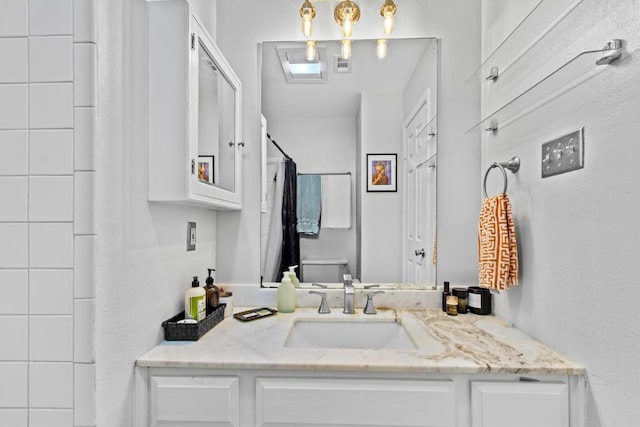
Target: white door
[[420, 166]]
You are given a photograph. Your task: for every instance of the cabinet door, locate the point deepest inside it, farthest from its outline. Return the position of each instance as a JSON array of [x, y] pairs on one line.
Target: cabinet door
[[354, 402], [194, 402], [215, 121], [522, 404]]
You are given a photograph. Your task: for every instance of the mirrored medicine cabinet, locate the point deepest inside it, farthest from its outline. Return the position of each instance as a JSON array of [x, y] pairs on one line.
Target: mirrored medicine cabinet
[[195, 140]]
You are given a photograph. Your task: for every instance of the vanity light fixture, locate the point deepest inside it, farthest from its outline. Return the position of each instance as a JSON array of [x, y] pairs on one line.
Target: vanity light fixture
[[347, 14], [307, 13], [381, 48], [346, 49], [387, 11]]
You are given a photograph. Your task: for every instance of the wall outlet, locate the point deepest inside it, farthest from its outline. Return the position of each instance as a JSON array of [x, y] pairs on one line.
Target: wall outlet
[[191, 236], [563, 154]]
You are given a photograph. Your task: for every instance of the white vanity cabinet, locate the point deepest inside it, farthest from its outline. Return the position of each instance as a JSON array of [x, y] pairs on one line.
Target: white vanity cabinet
[[176, 401], [195, 140], [354, 402], [523, 404], [171, 397]]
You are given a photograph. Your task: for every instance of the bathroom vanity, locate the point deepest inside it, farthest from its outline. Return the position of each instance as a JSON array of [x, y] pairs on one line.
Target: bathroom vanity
[[395, 368]]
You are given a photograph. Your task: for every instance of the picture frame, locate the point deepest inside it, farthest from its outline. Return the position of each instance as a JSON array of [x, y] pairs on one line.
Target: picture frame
[[206, 169], [382, 174]]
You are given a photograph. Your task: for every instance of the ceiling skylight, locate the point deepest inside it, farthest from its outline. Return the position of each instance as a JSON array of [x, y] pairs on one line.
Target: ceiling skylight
[[298, 69]]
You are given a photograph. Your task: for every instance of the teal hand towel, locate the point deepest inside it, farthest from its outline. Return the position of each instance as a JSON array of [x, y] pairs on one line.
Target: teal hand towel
[[309, 202]]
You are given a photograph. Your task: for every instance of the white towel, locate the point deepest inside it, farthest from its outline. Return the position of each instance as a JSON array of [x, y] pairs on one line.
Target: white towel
[[336, 201]]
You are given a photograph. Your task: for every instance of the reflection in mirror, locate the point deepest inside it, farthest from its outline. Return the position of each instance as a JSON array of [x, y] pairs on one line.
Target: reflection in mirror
[[216, 148], [329, 120]]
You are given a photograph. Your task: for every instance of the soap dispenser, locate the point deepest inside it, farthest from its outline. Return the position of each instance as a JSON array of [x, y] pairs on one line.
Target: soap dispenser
[[286, 295], [212, 291], [292, 276], [194, 301]]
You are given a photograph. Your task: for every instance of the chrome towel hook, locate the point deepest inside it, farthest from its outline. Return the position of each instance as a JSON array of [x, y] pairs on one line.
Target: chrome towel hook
[[513, 165]]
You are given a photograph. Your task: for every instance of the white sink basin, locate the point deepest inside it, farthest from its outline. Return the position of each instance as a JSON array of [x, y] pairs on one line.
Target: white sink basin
[[355, 334]]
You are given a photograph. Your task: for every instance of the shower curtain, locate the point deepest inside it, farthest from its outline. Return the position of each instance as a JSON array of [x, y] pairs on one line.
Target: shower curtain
[[290, 238], [273, 245]]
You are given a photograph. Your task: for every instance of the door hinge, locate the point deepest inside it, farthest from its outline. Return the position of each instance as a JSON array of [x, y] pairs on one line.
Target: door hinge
[[193, 41], [193, 166]]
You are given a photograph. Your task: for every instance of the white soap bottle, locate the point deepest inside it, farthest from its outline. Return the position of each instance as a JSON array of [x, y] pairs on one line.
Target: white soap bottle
[[292, 276], [195, 304], [286, 295]]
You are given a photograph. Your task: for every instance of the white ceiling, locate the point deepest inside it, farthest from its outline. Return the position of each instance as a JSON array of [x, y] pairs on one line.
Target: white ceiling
[[340, 96]]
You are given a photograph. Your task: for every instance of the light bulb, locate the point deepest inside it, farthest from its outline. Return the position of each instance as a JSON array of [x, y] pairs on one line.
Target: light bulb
[[388, 23], [311, 50], [347, 27], [381, 48], [346, 49], [307, 13], [387, 10], [306, 26], [347, 14]]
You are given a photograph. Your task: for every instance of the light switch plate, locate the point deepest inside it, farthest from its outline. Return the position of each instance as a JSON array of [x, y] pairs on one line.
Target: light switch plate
[[191, 236], [563, 154]]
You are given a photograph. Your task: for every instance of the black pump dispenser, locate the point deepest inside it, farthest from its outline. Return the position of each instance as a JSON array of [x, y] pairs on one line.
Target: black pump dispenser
[[445, 294], [213, 293], [195, 283], [209, 280]]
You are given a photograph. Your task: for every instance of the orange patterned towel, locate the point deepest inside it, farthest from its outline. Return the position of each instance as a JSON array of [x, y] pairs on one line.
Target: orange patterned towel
[[497, 247]]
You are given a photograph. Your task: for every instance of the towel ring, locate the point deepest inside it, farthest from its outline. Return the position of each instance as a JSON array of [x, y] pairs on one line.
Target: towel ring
[[513, 165]]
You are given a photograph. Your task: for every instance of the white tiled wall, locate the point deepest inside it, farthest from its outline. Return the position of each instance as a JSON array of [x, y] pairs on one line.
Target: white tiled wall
[[47, 212]]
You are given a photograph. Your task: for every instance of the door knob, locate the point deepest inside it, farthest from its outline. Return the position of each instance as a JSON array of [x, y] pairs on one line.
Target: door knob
[[419, 252]]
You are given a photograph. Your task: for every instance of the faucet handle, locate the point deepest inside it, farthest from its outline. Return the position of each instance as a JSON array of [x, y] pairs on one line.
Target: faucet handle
[[371, 286], [324, 306], [369, 308], [320, 285]]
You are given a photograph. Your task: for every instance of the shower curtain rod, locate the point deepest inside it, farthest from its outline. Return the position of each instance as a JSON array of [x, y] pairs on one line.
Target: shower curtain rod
[[326, 173], [278, 147]]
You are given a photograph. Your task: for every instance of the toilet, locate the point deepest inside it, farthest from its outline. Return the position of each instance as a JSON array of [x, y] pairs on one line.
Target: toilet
[[324, 270]]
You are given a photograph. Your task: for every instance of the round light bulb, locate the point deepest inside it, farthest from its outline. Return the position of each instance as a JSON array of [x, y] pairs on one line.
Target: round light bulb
[[381, 48]]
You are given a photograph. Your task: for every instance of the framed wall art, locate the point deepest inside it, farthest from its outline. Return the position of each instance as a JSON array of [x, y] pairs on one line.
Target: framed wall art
[[381, 172], [206, 169]]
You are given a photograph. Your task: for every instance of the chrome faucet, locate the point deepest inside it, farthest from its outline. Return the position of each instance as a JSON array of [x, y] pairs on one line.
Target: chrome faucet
[[348, 294]]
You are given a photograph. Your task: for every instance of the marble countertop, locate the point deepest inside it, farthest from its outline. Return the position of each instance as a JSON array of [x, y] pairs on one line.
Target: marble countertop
[[465, 343]]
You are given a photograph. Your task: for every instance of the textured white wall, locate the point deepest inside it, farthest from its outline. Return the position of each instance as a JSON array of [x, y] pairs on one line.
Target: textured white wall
[[381, 213], [143, 266], [578, 233]]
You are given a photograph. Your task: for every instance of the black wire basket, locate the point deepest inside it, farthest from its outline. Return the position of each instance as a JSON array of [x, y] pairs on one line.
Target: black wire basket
[[174, 331]]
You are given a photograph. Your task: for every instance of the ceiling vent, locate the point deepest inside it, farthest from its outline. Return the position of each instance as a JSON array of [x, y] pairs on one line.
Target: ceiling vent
[[298, 69], [341, 65]]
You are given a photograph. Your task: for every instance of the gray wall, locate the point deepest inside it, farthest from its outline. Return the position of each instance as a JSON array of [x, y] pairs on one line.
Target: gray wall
[[578, 233]]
